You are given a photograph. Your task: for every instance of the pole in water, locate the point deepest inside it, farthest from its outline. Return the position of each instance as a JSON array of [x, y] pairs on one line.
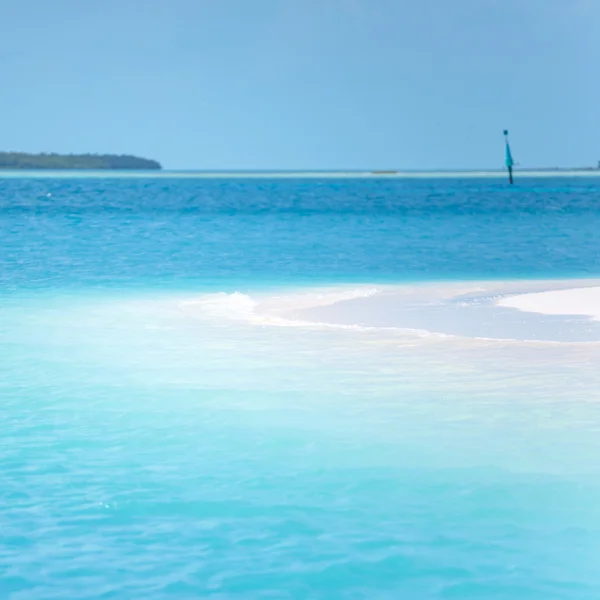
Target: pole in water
[[509, 159]]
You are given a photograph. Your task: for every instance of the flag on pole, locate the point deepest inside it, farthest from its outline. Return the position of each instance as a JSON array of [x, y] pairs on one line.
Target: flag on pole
[[509, 159]]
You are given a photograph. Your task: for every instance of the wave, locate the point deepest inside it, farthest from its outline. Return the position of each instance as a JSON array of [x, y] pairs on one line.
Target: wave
[[236, 306], [277, 311], [239, 306]]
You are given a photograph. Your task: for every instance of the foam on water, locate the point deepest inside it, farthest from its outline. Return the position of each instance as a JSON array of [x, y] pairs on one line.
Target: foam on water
[[265, 309]]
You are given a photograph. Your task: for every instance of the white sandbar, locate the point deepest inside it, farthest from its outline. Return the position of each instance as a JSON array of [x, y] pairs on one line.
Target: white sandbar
[[577, 301], [527, 310]]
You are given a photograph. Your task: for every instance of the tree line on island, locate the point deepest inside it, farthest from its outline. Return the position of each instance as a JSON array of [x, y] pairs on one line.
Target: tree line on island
[[24, 160]]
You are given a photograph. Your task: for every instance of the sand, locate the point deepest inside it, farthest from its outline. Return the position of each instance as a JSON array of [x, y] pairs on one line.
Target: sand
[[576, 301], [541, 311]]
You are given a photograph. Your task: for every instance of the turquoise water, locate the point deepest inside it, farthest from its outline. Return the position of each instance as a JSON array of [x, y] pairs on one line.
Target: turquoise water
[[154, 446]]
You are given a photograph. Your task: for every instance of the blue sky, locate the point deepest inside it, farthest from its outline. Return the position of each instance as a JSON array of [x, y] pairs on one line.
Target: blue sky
[[260, 84]]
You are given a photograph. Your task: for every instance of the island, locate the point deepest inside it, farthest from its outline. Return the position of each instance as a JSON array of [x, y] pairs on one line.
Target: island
[[23, 160]]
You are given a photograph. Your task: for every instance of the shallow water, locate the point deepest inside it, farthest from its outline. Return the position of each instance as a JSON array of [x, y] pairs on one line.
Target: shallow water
[[160, 443]]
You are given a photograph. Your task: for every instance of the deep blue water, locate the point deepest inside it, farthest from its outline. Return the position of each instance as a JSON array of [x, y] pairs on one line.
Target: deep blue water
[[149, 452], [129, 232]]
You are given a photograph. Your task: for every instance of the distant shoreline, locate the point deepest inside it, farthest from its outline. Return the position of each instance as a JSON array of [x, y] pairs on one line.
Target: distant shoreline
[[24, 161], [387, 174]]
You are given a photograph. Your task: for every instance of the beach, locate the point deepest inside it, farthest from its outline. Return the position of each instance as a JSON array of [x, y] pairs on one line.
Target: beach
[[570, 301], [528, 311]]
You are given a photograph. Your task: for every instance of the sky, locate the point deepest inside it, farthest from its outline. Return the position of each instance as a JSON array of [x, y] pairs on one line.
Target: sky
[[304, 84]]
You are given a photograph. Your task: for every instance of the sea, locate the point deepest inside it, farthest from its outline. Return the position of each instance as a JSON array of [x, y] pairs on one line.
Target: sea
[[159, 441]]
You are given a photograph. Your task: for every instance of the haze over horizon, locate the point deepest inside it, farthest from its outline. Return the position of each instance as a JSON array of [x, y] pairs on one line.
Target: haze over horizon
[[290, 84]]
